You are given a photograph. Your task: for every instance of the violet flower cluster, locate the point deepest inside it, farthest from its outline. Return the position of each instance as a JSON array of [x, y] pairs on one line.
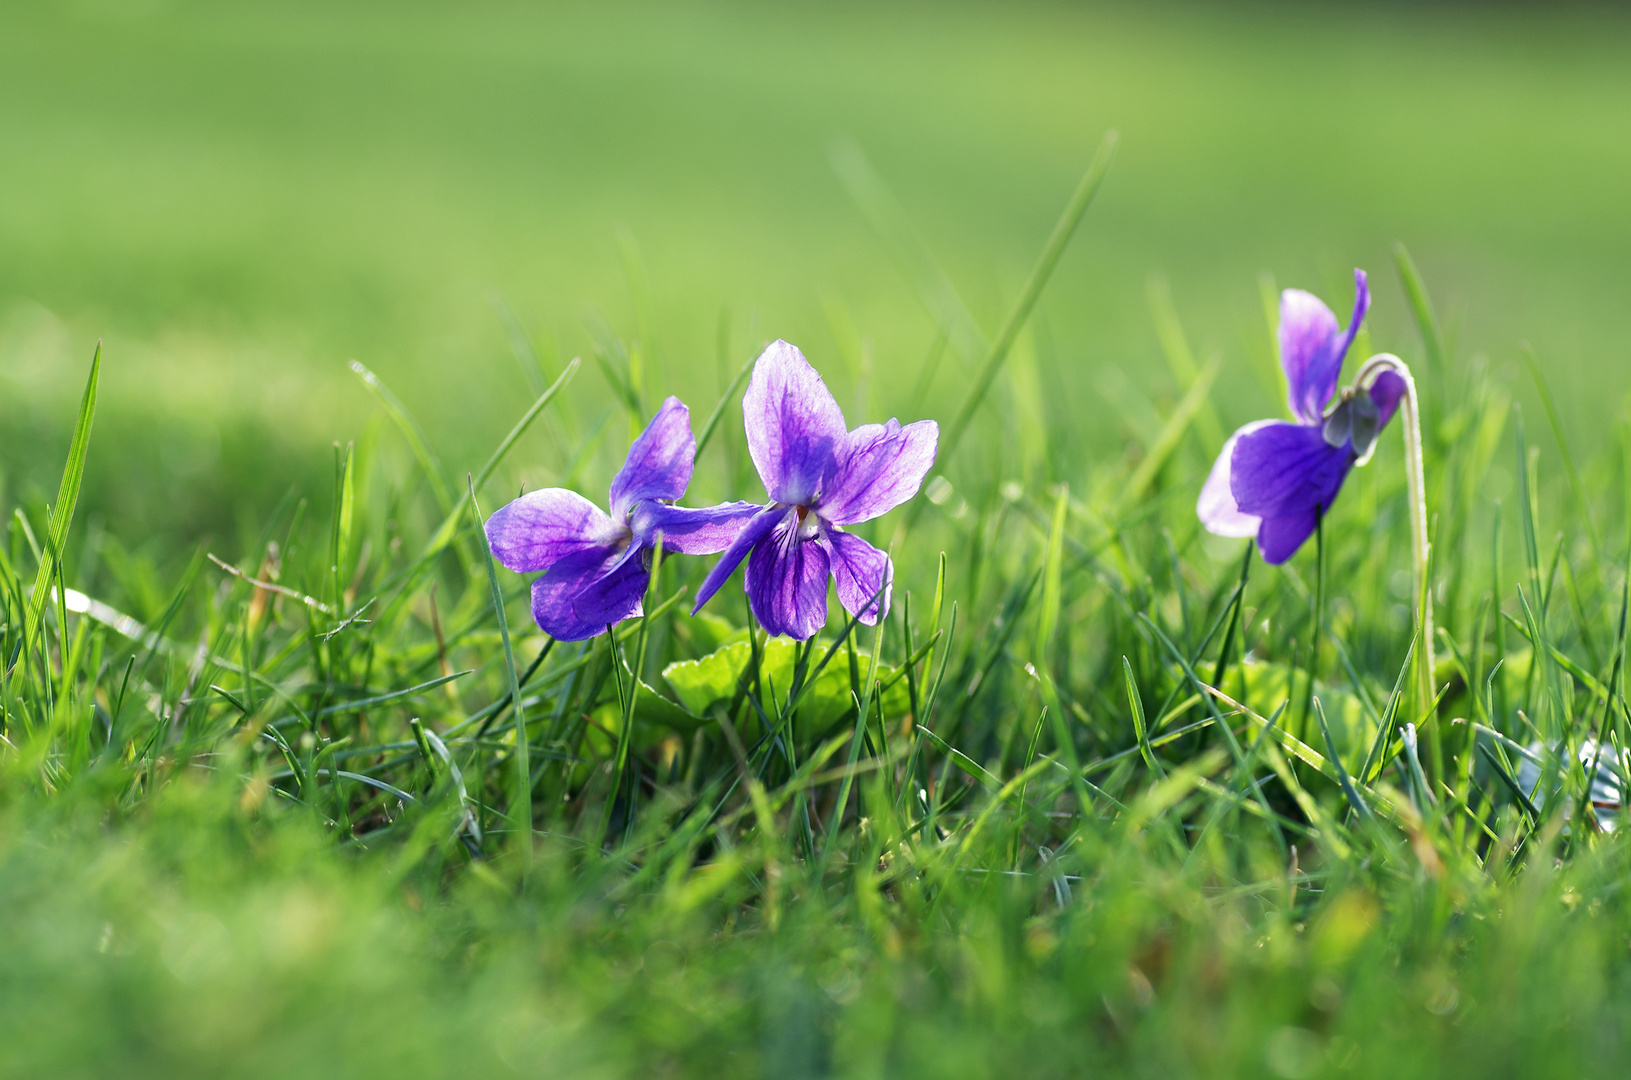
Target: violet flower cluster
[[1275, 478], [819, 477]]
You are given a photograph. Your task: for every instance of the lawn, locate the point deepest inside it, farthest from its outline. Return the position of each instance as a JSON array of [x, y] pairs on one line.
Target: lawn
[[1103, 794]]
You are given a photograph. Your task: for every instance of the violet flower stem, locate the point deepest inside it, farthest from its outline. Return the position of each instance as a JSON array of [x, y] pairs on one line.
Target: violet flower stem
[[1416, 480]]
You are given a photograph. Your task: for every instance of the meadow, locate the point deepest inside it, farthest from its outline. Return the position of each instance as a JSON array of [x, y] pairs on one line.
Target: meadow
[[292, 785]]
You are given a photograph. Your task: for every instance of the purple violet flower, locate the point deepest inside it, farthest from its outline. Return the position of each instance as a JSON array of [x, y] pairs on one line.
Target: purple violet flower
[[819, 476], [1275, 478], [596, 567]]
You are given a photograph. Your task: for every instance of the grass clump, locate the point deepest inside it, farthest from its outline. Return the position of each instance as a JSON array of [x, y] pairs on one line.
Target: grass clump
[[1099, 796]]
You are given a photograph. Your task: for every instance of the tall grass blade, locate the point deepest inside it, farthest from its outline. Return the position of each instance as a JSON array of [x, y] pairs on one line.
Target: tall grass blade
[[62, 513], [719, 409], [1052, 577], [889, 219], [450, 524], [1421, 306], [1349, 791], [410, 429], [521, 799], [1135, 702], [1582, 506], [980, 383]]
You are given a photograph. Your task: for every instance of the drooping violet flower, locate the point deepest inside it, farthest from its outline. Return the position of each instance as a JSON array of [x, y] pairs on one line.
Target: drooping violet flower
[[1275, 478], [820, 476], [596, 567]]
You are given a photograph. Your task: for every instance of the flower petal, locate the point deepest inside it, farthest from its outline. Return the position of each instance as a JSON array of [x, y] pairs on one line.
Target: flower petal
[[617, 593], [542, 527], [703, 531], [1280, 537], [793, 424], [878, 467], [1361, 306], [1387, 389], [756, 529], [1311, 351], [1216, 507], [659, 463], [1307, 332], [1283, 468], [787, 581], [555, 593], [860, 572]]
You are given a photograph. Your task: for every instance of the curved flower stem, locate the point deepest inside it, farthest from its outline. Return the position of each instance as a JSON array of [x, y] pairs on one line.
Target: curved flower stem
[[1421, 547]]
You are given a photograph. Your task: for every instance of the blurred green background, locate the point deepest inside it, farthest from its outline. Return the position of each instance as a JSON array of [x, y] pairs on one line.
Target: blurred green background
[[241, 197]]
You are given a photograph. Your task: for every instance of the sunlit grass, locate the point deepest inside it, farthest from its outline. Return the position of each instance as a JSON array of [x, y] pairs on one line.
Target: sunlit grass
[[1104, 794], [270, 823]]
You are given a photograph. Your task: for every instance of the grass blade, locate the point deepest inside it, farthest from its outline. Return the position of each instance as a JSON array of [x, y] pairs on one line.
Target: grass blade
[[450, 524], [1421, 306], [62, 513], [1052, 577], [719, 409], [1135, 701], [980, 383], [521, 801], [1349, 792]]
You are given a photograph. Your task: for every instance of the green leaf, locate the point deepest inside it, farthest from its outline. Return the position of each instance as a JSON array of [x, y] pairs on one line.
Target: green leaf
[[711, 681], [651, 709]]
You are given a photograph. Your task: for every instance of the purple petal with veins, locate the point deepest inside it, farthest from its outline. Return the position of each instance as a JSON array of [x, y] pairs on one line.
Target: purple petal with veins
[[878, 467], [542, 527], [554, 595], [787, 581], [861, 572], [793, 424], [1280, 537], [1286, 468], [758, 527], [1307, 330], [659, 462], [1339, 349], [704, 531], [1311, 350], [617, 593]]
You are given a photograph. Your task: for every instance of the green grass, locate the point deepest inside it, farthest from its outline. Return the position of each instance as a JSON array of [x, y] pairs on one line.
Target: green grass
[[240, 198], [278, 832]]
